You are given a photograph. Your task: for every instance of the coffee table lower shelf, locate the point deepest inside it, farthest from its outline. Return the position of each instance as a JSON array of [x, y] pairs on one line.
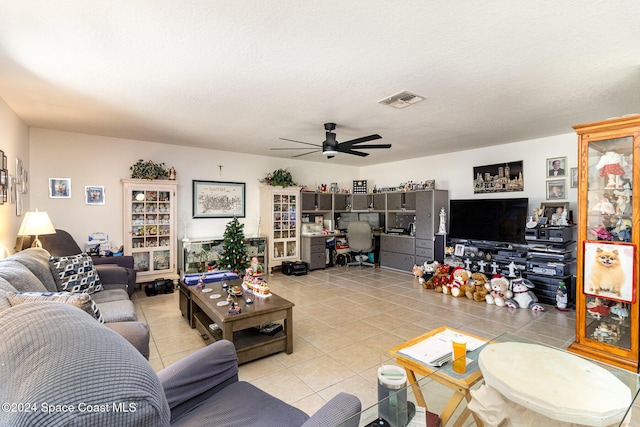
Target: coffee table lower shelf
[[250, 343]]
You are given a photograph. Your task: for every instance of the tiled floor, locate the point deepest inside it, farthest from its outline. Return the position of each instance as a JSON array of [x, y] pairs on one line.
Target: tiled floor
[[345, 321]]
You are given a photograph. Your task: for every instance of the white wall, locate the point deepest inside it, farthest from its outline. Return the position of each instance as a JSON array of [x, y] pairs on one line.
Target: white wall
[[14, 141], [103, 161], [96, 160], [454, 171]]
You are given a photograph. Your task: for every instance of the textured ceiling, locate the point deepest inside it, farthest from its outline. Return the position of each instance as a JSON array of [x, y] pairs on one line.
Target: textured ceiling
[[239, 75]]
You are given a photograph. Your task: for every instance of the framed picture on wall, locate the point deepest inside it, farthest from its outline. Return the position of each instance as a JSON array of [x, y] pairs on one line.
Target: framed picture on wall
[[556, 189], [94, 195], [556, 166], [215, 199], [574, 177], [19, 169], [59, 188]]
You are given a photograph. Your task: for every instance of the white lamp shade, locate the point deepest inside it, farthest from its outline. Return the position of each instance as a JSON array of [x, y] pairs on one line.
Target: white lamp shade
[[35, 224]]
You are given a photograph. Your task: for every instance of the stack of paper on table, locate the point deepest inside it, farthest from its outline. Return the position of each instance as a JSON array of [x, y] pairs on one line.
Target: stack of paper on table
[[436, 350]]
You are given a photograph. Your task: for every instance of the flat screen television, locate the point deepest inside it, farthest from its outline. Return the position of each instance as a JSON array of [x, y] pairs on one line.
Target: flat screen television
[[490, 220]]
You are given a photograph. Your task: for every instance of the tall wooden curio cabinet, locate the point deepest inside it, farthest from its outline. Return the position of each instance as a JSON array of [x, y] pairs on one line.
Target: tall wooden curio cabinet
[[607, 290], [150, 227], [280, 221]]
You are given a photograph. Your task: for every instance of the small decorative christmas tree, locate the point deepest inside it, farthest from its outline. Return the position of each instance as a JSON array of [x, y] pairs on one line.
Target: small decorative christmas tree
[[234, 255]]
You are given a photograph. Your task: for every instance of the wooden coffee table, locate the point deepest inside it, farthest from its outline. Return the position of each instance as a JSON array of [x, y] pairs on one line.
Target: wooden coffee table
[[240, 328]]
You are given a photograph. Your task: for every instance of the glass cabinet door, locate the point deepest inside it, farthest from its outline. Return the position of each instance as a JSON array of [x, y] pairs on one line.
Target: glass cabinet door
[[608, 259], [149, 227], [284, 225]]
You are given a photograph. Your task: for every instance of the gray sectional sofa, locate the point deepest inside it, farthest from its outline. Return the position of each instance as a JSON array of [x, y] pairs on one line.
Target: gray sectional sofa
[[30, 271], [59, 366]]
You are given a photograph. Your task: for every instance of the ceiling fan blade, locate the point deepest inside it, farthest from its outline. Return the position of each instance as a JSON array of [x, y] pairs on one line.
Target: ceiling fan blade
[[357, 153], [364, 147], [290, 148], [362, 139], [304, 154], [300, 142]]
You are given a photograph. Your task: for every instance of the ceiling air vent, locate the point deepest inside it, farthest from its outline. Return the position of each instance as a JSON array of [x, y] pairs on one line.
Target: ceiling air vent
[[401, 99]]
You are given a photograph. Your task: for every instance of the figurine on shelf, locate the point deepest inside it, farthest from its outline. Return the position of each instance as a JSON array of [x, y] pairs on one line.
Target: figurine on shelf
[[443, 222], [172, 173], [610, 166], [620, 311], [561, 297], [604, 206], [600, 232], [623, 201], [559, 217], [597, 309]]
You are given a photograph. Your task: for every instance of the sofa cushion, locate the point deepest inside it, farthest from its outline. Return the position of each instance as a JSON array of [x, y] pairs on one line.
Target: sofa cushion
[[6, 286], [4, 301], [80, 300], [109, 295], [118, 311], [222, 409], [46, 361], [20, 276], [37, 261], [77, 273]]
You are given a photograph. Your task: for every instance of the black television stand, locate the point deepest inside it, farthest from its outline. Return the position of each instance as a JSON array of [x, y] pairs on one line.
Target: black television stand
[[490, 258]]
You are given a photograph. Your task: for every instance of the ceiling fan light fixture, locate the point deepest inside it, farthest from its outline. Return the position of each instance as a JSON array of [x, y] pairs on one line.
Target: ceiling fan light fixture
[[330, 145]]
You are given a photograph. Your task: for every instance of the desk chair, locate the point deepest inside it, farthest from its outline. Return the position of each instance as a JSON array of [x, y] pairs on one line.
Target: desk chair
[[360, 240]]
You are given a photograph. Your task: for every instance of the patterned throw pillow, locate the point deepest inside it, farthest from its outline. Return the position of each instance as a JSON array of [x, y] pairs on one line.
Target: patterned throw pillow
[[81, 300], [76, 273]]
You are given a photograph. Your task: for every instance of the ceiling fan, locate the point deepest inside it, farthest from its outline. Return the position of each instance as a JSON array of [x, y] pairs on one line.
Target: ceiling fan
[[330, 146]]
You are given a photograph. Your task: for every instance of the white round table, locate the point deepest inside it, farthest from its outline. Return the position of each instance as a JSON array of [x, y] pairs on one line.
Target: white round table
[[555, 383]]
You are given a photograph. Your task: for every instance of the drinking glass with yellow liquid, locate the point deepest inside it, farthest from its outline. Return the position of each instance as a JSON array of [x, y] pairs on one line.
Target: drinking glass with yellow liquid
[[459, 357]]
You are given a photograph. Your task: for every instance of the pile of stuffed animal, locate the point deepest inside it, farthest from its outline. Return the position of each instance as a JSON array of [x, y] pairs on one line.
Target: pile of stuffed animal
[[459, 282]]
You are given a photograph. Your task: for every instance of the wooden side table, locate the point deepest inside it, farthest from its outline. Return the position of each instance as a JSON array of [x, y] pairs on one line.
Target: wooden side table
[[459, 383]]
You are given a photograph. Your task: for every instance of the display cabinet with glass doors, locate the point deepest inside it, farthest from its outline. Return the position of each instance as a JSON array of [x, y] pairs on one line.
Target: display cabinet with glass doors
[[608, 233]]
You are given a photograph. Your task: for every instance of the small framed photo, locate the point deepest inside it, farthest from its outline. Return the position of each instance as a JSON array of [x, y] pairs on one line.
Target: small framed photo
[[554, 213], [19, 169], [574, 177], [59, 188], [24, 186], [459, 250], [12, 189], [319, 219], [556, 166], [94, 195], [609, 270], [556, 189]]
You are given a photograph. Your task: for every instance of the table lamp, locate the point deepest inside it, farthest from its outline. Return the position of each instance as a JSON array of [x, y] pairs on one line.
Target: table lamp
[[35, 224]]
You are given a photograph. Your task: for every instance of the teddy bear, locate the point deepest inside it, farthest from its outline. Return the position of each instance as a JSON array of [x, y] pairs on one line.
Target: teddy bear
[[499, 291], [439, 279], [480, 287], [523, 296], [429, 269], [459, 282], [418, 273], [424, 272]]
